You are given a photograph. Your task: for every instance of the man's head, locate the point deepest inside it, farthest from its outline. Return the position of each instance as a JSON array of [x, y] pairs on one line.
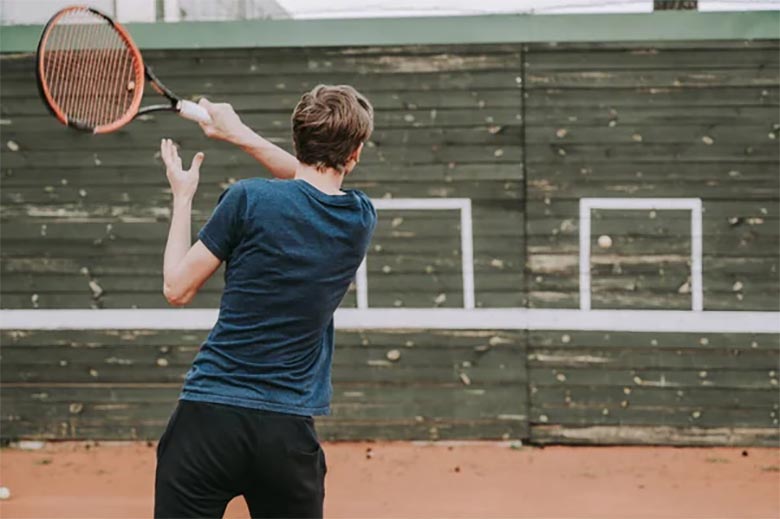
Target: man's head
[[330, 125]]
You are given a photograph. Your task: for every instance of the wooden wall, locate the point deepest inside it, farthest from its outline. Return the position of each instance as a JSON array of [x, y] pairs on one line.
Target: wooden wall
[[524, 132]]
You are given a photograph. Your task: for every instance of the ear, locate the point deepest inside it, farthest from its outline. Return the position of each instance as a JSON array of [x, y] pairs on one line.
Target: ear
[[356, 154]]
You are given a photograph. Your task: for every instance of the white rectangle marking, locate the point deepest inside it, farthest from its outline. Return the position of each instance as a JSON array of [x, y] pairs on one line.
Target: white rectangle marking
[[685, 204], [429, 204]]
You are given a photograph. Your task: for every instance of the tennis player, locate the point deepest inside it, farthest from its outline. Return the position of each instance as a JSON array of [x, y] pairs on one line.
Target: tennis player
[[243, 424]]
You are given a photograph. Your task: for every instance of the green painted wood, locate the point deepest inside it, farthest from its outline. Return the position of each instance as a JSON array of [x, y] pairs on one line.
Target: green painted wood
[[435, 30], [655, 435], [676, 417], [123, 384], [584, 385], [652, 122], [653, 396], [524, 131]]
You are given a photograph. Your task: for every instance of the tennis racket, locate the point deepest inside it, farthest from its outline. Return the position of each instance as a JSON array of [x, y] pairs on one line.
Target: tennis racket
[[91, 74]]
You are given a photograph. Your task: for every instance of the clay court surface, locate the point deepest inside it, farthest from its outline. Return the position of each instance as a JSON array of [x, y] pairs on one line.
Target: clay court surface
[[430, 480]]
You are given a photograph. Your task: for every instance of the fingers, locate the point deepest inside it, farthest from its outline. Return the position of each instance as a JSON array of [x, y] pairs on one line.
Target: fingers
[[165, 152], [197, 161], [170, 154]]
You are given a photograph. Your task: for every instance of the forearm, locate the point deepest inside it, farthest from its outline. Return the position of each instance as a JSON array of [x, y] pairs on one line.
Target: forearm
[[275, 159], [179, 239]]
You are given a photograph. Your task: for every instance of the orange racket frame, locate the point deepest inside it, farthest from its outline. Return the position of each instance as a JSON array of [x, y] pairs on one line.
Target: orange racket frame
[[140, 72]]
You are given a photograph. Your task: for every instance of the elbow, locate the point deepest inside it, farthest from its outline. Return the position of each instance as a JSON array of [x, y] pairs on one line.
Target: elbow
[[176, 297]]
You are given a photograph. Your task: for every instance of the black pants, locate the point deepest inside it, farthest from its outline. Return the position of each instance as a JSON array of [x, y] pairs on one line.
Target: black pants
[[211, 453]]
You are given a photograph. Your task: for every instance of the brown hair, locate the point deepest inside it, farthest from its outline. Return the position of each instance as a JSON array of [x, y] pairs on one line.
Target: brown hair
[[329, 123]]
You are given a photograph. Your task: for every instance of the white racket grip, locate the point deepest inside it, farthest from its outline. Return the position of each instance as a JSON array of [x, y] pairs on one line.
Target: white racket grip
[[193, 112]]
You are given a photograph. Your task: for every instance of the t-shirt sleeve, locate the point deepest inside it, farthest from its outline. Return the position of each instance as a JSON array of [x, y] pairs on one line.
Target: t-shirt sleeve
[[224, 229], [369, 212]]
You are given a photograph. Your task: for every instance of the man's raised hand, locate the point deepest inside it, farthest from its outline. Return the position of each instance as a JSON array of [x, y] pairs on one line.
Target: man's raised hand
[[183, 183]]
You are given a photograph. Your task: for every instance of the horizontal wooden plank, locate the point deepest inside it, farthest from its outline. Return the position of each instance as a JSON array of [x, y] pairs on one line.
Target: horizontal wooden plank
[[162, 124], [509, 297], [642, 377], [676, 44], [738, 244], [217, 158], [594, 396], [138, 357], [328, 430], [59, 139], [24, 60], [641, 59], [121, 176], [241, 82], [58, 412], [564, 265], [655, 416], [359, 404], [718, 210], [623, 299], [313, 63], [654, 435], [378, 371], [345, 338], [638, 153], [98, 265], [587, 99], [644, 115], [159, 195], [694, 134], [595, 77], [691, 358]]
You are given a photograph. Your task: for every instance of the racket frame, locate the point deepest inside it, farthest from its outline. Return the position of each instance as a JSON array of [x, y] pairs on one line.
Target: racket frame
[[142, 73]]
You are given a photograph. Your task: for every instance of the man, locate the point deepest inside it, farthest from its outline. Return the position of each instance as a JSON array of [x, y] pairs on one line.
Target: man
[[243, 424]]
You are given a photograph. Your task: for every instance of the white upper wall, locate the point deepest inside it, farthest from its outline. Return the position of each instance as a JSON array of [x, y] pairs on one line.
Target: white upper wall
[[38, 11], [27, 12]]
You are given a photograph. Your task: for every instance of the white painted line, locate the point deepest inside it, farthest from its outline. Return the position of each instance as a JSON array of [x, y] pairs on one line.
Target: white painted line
[[430, 204], [114, 319], [642, 203], [423, 204], [467, 254], [685, 204], [361, 285], [661, 321], [584, 254], [697, 287]]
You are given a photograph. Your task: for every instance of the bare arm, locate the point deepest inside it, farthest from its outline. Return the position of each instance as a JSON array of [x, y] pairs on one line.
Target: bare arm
[[227, 126], [185, 267]]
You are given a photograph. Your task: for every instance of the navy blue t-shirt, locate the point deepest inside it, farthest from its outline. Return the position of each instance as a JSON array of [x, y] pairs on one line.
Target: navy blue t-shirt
[[291, 253]]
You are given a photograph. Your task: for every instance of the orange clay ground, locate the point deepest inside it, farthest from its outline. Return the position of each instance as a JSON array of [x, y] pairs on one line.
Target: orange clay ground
[[399, 480]]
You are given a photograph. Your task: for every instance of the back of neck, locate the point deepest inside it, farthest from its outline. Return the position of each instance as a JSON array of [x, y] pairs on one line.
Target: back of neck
[[328, 181]]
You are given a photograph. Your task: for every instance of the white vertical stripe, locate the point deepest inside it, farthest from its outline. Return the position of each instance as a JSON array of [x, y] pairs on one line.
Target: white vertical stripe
[[467, 251], [697, 285], [361, 284], [584, 254]]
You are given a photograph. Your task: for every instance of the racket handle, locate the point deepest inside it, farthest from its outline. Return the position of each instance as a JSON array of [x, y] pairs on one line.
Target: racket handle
[[193, 112]]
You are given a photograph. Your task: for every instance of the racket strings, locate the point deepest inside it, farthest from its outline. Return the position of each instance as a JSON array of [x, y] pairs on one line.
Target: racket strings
[[92, 75]]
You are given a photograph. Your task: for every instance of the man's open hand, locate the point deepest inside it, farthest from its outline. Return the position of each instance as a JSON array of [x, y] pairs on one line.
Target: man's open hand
[[183, 183]]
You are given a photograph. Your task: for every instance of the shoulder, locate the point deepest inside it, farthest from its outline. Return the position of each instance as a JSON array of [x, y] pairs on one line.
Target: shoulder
[[365, 203], [264, 187]]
